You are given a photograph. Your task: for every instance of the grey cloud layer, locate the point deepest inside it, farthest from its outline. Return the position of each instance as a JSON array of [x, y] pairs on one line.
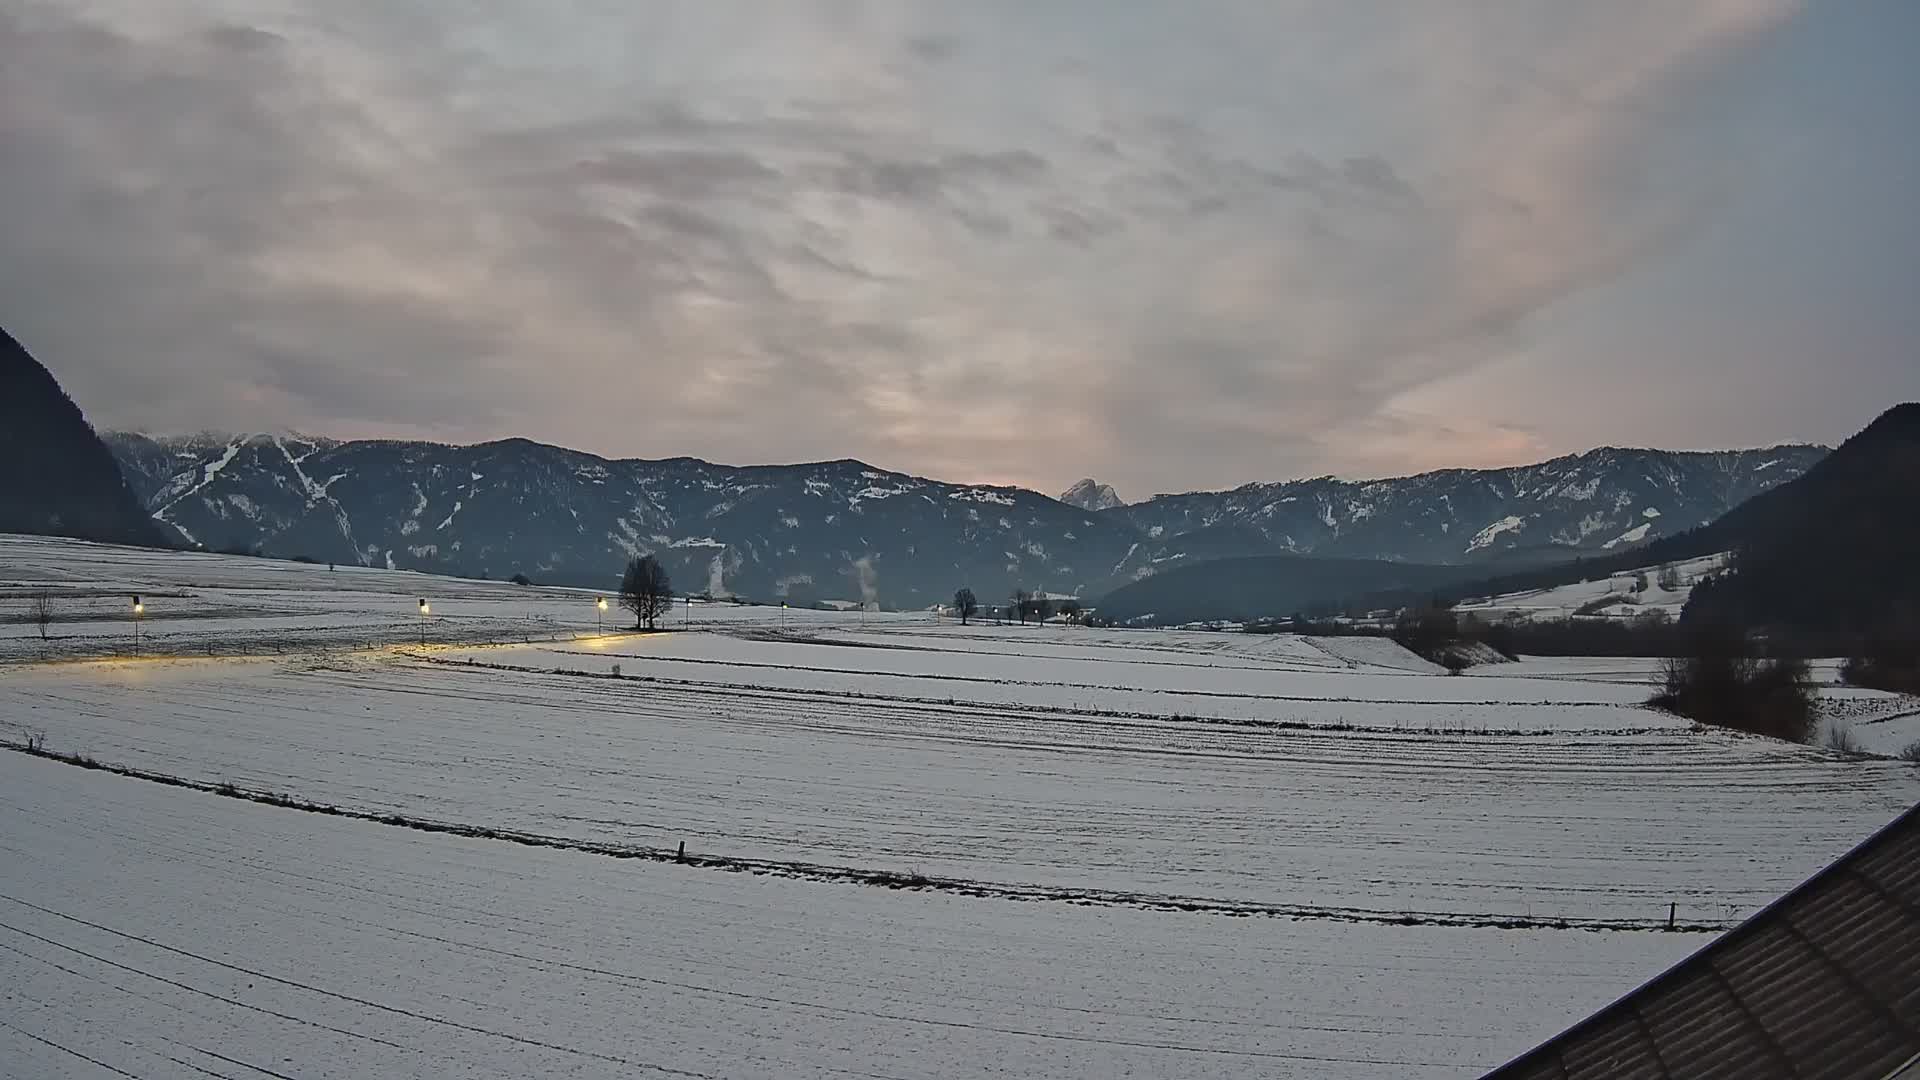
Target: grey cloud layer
[[985, 243]]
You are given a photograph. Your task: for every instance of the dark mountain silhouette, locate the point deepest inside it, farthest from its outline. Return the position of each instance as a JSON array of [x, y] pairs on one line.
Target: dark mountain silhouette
[[1836, 551], [56, 477], [1830, 552]]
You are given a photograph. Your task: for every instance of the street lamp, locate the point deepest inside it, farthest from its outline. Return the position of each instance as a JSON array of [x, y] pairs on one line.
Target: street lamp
[[688, 614], [424, 612], [139, 609], [600, 615]]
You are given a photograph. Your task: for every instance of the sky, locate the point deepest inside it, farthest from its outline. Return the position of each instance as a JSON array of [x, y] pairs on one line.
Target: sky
[[1172, 246]]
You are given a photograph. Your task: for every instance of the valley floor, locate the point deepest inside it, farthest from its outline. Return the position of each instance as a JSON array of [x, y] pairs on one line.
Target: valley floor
[[914, 849]]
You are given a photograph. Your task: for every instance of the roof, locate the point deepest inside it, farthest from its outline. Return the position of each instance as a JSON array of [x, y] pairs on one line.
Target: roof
[[1822, 983]]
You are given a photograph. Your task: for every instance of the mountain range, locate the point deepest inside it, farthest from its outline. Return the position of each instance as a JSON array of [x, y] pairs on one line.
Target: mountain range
[[846, 530]]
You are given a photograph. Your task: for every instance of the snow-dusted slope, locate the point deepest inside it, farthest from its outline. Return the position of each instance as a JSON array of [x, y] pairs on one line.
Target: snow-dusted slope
[[1643, 591], [1601, 500], [842, 530], [837, 530]]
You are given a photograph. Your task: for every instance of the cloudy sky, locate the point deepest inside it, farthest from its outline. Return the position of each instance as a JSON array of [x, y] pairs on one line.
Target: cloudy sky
[[1171, 245]]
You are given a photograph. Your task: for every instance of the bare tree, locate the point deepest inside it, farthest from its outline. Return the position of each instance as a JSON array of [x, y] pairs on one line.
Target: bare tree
[[966, 604], [1032, 605], [1669, 578], [42, 611], [646, 590]]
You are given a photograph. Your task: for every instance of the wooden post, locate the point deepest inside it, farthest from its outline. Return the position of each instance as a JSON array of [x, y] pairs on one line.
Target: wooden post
[[1671, 910], [682, 856]]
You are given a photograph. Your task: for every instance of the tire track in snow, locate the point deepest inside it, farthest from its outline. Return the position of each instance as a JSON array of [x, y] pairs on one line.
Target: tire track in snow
[[320, 990]]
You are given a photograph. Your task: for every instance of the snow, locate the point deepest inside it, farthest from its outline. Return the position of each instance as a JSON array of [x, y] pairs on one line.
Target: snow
[[1485, 537], [148, 926], [1086, 812], [1561, 602], [207, 473], [215, 467], [982, 495], [1631, 536]]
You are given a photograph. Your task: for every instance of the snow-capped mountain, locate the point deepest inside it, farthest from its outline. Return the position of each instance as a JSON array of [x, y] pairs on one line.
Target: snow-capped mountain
[[1602, 500], [828, 530], [1089, 495], [842, 530]]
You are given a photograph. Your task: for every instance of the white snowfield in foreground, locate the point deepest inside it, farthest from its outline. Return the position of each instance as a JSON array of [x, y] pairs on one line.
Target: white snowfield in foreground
[[162, 931], [1151, 853]]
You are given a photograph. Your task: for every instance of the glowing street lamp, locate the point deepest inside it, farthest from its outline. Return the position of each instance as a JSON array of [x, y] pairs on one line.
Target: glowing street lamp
[[600, 615], [424, 612], [139, 609]]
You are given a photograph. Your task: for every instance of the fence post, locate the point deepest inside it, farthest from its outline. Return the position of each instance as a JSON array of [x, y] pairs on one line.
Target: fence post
[[682, 856], [1672, 908]]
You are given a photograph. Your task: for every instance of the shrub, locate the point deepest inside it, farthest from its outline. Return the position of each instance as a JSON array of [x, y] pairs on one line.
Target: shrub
[[521, 579], [1887, 661], [1426, 631], [1911, 752], [1720, 682], [1839, 737]]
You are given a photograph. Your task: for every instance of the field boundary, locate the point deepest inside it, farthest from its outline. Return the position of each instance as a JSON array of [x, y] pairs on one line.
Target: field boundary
[[912, 881], [1091, 711]]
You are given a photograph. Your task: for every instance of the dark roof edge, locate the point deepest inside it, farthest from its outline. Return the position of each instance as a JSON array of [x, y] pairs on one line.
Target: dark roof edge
[[1904, 1069], [1911, 816]]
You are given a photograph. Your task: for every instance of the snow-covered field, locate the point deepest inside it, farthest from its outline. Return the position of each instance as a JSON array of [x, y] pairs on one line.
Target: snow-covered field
[[1156, 852], [197, 603], [1614, 596], [163, 932]]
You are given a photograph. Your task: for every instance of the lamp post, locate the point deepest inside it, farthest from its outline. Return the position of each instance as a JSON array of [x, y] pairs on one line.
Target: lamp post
[[600, 615], [686, 615], [424, 612], [139, 609]]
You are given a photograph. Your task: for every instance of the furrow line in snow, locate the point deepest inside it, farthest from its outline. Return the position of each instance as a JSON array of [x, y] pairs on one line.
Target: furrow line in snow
[[894, 879], [1074, 710]]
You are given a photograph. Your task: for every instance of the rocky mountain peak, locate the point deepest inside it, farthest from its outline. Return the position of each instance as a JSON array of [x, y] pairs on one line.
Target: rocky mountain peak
[[1089, 494]]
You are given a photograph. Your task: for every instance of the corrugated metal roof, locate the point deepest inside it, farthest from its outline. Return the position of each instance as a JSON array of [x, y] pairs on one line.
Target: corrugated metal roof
[[1822, 984]]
